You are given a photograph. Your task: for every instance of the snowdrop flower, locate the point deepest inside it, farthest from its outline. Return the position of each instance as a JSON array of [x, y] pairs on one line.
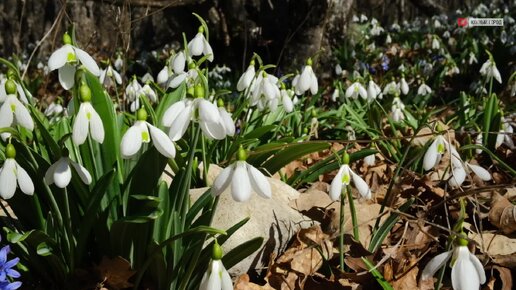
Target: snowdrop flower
[[227, 121], [404, 86], [148, 92], [190, 77], [132, 94], [370, 160], [265, 92], [434, 152], [363, 18], [335, 95], [373, 91], [109, 77], [435, 43], [19, 89], [119, 63], [388, 39], [216, 278], [355, 90], [178, 116], [453, 70], [424, 90], [472, 58], [376, 29], [286, 98], [504, 135], [53, 109], [344, 177], [391, 89], [66, 59], [138, 134], [467, 270], [13, 111], [490, 71], [11, 173], [87, 120], [200, 46], [397, 108], [60, 172], [307, 80], [247, 77], [163, 75], [437, 24], [446, 34], [243, 178], [460, 171], [338, 70]]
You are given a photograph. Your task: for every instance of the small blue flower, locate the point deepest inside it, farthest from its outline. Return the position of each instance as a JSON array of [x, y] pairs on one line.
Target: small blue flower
[[7, 273], [385, 63]]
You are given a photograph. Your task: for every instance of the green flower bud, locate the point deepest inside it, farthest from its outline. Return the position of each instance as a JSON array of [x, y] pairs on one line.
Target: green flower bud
[[10, 152], [10, 87], [85, 93], [191, 65], [216, 251], [199, 91], [11, 73], [141, 115], [252, 62], [190, 91], [462, 242], [220, 103], [345, 158], [67, 39], [201, 29], [242, 155], [309, 61]]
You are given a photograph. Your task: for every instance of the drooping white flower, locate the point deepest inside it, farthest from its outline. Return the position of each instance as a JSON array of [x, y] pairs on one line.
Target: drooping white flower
[[132, 94], [178, 116], [21, 92], [370, 160], [227, 121], [343, 178], [490, 70], [338, 69], [404, 86], [452, 70], [467, 270], [147, 78], [87, 120], [109, 77], [505, 134], [60, 172], [148, 92], [200, 46], [286, 99], [397, 108], [216, 278], [243, 179], [307, 80], [435, 43], [356, 89], [163, 75], [190, 77], [179, 62], [66, 60], [247, 77], [424, 90], [265, 92], [138, 134], [388, 39], [373, 91], [391, 89], [12, 174], [14, 112], [459, 173], [54, 109], [472, 58], [434, 152], [119, 63]]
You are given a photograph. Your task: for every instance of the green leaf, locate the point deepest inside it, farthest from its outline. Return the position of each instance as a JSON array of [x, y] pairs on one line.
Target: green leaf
[[241, 252], [377, 275], [290, 153]]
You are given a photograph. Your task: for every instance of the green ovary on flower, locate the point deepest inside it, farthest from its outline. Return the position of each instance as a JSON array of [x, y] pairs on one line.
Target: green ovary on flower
[[10, 87], [242, 155], [10, 152]]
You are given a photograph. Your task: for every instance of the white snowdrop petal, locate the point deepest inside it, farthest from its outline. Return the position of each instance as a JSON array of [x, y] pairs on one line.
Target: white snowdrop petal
[[49, 174], [180, 124], [177, 80], [222, 181], [87, 61], [287, 103], [131, 142], [102, 76], [305, 80], [314, 86], [458, 177], [96, 125], [161, 141], [480, 172], [350, 91], [62, 173], [463, 272], [240, 184], [83, 173], [67, 76], [208, 111], [24, 180], [6, 115], [213, 130], [60, 57], [80, 126], [336, 185], [362, 92], [8, 179], [23, 117], [369, 160], [207, 50], [229, 125], [478, 267], [195, 46], [435, 264], [429, 161], [117, 76], [259, 182], [172, 112], [163, 76], [23, 96], [227, 283], [178, 64], [361, 185]]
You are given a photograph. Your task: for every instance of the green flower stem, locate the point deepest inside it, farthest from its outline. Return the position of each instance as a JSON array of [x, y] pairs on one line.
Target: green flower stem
[[353, 213], [205, 162], [341, 228], [68, 228]]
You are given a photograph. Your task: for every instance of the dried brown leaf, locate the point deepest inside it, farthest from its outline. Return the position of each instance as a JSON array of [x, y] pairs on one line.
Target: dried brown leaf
[[503, 214], [116, 272]]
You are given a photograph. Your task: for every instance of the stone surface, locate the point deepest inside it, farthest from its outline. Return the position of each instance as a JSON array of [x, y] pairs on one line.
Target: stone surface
[[273, 219]]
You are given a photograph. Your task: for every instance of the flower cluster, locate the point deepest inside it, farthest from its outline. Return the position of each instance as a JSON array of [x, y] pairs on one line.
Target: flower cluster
[[7, 273]]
